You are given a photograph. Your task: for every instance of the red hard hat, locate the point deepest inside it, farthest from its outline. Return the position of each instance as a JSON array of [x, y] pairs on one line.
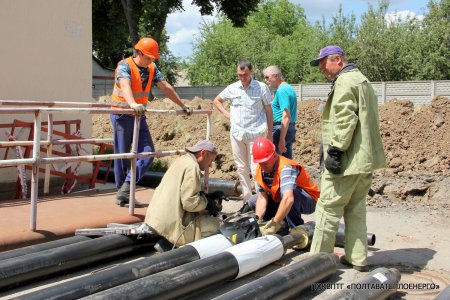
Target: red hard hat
[[263, 149], [148, 47]]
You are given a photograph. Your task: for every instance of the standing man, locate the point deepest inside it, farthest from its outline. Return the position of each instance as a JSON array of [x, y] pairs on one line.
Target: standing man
[[285, 189], [133, 80], [352, 149], [250, 117], [179, 211], [284, 109]]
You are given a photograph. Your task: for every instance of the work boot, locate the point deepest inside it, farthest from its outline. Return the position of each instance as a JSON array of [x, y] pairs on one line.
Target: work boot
[[163, 245], [123, 197], [345, 262]]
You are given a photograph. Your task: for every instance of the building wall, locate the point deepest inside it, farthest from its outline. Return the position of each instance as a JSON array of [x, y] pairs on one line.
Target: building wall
[[46, 50]]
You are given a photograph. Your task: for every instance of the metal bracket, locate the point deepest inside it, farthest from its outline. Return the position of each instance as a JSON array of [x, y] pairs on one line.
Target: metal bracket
[[137, 229]]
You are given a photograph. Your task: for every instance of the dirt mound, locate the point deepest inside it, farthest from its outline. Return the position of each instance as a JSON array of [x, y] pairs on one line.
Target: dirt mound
[[416, 140]]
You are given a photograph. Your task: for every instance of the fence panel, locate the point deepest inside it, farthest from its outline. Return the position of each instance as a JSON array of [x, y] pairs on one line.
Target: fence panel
[[418, 92]]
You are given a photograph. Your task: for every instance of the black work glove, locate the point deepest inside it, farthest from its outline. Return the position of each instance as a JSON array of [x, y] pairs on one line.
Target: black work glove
[[212, 206], [218, 195], [333, 161]]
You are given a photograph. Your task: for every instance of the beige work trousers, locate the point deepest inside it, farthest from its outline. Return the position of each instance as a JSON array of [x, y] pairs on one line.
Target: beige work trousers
[[342, 196], [243, 157]]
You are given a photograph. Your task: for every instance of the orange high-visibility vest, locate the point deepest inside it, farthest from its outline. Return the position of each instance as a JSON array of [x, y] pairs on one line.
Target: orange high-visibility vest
[[139, 95], [303, 180]]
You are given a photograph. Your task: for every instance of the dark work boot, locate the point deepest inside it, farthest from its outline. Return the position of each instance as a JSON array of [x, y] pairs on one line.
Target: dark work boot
[[123, 194], [163, 245], [123, 197]]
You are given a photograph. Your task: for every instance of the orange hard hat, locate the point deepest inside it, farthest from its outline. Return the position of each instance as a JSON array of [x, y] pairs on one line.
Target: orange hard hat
[[148, 47], [263, 149]]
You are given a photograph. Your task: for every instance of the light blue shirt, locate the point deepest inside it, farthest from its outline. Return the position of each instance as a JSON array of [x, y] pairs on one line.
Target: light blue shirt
[[247, 109], [285, 98]]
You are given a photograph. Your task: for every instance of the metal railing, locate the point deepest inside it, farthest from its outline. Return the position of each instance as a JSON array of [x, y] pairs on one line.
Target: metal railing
[[38, 107]]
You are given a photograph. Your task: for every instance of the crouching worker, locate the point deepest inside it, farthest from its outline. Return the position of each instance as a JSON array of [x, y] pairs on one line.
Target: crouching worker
[[179, 211], [284, 191]]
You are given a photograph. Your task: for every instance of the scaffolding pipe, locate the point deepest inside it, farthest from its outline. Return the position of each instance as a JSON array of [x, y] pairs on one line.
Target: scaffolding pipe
[[133, 150], [129, 111], [69, 159], [16, 270], [124, 273], [377, 285], [288, 281], [233, 263], [35, 169], [49, 154], [56, 142]]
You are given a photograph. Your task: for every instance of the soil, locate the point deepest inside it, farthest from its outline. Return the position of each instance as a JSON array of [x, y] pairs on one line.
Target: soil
[[416, 140]]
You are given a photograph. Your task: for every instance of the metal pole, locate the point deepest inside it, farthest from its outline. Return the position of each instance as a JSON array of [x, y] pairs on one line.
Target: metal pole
[[35, 169], [287, 282], [133, 150], [49, 154], [208, 126], [377, 285]]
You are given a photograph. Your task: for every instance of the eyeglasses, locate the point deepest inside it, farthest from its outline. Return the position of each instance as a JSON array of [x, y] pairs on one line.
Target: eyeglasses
[[267, 77]]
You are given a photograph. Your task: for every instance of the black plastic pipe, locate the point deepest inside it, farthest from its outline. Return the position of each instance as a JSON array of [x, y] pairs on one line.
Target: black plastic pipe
[[106, 279], [340, 237], [378, 284], [42, 247], [340, 234], [182, 280], [153, 179], [288, 281], [28, 267]]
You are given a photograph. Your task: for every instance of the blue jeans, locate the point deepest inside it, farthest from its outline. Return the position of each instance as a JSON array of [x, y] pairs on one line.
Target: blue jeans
[[303, 204], [290, 139], [123, 126]]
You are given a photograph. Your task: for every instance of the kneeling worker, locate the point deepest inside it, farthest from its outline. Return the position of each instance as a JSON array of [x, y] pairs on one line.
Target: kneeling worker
[[284, 190], [179, 211]]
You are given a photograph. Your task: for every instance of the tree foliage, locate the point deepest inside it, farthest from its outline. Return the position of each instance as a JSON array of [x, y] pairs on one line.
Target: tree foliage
[[118, 25], [278, 33]]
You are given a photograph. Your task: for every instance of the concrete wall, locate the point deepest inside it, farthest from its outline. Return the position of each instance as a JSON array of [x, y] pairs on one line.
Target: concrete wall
[[46, 50]]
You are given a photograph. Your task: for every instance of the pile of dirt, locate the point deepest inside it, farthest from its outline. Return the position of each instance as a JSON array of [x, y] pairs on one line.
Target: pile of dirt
[[416, 140]]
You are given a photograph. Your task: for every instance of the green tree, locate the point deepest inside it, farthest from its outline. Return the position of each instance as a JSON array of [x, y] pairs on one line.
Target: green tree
[[277, 33], [435, 42]]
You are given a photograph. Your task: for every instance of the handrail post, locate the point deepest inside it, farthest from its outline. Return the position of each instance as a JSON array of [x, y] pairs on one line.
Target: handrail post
[[35, 168], [134, 146], [208, 126], [49, 154]]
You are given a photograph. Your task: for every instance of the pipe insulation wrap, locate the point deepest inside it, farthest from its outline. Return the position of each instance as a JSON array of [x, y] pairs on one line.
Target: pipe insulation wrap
[[257, 253], [211, 245]]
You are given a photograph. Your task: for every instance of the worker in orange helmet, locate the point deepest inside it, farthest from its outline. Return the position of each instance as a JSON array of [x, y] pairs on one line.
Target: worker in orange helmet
[[284, 191], [133, 81]]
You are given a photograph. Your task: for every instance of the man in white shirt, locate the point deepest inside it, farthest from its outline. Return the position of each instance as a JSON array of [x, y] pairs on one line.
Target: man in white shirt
[[250, 117]]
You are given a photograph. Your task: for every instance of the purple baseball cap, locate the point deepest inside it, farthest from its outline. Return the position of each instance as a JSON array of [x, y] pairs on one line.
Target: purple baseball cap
[[202, 145], [325, 51]]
